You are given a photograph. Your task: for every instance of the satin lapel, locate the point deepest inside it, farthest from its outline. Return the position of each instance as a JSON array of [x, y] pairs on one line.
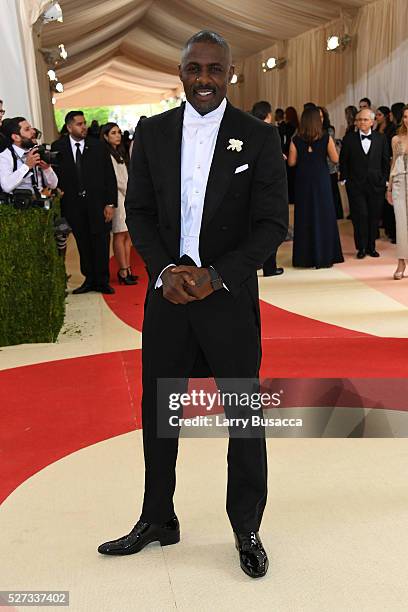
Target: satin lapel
[[170, 152], [223, 163]]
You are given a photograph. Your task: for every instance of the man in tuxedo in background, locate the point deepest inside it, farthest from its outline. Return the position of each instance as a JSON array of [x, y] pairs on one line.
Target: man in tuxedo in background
[[364, 165], [280, 124], [206, 204], [262, 110], [87, 178]]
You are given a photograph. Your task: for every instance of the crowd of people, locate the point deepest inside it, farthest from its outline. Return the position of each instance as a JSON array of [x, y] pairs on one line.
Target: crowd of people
[[370, 160], [92, 172]]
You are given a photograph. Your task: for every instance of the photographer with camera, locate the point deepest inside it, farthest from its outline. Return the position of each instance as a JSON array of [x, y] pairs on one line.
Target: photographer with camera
[[21, 166]]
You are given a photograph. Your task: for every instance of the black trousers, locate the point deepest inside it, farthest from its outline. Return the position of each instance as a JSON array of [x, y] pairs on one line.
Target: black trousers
[[269, 266], [365, 210], [225, 331], [93, 247]]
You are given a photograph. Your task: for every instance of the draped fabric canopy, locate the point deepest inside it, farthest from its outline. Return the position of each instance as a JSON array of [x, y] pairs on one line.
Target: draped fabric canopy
[[373, 65], [128, 50]]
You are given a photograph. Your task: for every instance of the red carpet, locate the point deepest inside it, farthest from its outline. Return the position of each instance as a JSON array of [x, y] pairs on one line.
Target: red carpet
[[52, 409]]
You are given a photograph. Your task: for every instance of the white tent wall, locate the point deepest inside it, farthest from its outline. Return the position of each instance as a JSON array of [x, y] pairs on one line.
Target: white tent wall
[[20, 86], [14, 87], [374, 65], [140, 61]]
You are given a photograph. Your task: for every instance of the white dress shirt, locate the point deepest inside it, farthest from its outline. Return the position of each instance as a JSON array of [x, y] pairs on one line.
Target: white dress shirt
[[74, 148], [197, 149], [366, 143], [10, 180]]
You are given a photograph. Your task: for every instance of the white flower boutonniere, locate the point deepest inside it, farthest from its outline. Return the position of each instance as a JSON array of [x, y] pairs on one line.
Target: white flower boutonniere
[[235, 145]]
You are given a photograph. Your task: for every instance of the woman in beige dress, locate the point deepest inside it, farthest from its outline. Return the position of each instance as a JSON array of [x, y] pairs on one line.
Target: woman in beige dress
[[122, 244], [397, 193]]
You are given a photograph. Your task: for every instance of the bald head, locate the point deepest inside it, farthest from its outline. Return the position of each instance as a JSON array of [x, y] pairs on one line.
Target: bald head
[[206, 36]]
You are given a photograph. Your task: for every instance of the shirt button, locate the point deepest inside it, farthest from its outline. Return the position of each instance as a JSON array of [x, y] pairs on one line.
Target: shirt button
[[201, 142], [196, 191]]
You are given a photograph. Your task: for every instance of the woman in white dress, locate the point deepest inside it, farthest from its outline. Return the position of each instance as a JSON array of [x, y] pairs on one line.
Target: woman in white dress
[[122, 244], [397, 193]]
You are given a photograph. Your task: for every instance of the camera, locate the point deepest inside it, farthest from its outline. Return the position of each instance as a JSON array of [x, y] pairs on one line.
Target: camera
[[23, 199], [46, 155], [5, 198]]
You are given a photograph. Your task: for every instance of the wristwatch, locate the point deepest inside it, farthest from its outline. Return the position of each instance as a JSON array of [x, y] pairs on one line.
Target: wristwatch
[[215, 279]]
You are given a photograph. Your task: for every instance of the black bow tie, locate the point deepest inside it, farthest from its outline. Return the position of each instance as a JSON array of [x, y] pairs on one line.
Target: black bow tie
[[369, 137]]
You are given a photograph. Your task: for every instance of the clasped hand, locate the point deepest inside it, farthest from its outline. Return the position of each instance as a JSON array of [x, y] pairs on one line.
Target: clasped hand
[[184, 284]]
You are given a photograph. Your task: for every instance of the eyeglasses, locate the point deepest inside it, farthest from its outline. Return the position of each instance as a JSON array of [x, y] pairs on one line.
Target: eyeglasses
[[2, 112]]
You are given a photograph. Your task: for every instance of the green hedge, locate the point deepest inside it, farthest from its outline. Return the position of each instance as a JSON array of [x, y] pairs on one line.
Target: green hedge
[[32, 277]]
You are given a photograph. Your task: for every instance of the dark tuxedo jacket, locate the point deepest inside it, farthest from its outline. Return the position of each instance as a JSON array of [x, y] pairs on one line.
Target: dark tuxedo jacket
[[288, 130], [245, 215], [99, 181], [361, 170]]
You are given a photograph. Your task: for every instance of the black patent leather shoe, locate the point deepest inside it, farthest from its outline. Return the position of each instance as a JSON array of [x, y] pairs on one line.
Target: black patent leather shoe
[[141, 535], [275, 272], [361, 254], [373, 253], [84, 288], [106, 289], [253, 559]]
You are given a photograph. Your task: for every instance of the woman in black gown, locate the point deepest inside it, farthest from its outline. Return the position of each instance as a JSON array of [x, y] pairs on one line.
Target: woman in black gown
[[316, 242]]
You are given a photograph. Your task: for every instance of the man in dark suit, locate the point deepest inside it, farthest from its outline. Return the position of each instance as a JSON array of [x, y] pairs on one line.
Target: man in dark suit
[[206, 205], [262, 110], [87, 178], [280, 124], [364, 165]]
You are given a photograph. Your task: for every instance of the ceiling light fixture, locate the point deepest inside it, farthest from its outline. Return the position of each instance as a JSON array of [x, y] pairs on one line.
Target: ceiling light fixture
[[273, 62], [63, 51], [53, 13], [237, 79], [52, 75], [337, 44]]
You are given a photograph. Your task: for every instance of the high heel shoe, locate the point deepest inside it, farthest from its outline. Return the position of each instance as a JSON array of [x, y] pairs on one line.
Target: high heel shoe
[[398, 275], [125, 280], [132, 276]]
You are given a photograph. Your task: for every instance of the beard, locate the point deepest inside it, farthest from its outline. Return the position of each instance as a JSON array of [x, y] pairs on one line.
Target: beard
[[27, 143]]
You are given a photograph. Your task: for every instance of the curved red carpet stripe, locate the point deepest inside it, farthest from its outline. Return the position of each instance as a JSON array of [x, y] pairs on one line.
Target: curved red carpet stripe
[[52, 409], [127, 304]]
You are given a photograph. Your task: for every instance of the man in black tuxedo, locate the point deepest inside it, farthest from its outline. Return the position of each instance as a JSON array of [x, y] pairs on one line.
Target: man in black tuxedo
[[364, 165], [87, 178], [280, 124], [206, 204], [262, 110]]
